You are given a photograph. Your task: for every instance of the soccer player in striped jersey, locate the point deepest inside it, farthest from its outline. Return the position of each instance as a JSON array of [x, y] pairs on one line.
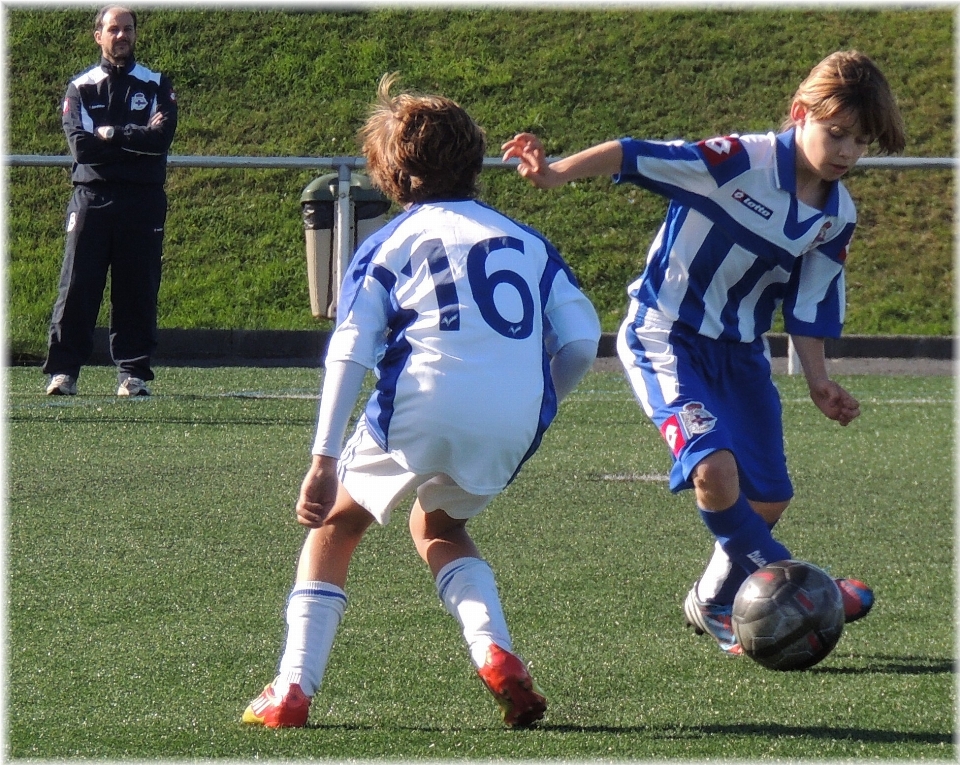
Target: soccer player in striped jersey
[[475, 328], [755, 224]]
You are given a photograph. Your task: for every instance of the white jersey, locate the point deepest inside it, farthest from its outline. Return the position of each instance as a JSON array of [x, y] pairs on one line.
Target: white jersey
[[458, 309], [737, 243]]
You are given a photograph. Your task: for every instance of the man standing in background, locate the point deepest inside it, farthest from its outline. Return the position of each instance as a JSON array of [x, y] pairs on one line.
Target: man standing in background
[[119, 118]]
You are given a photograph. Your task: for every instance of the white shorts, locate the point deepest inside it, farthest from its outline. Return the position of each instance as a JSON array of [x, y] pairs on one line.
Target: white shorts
[[378, 482]]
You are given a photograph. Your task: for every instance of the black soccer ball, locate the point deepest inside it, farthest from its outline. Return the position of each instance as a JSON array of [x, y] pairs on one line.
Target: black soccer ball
[[788, 615]]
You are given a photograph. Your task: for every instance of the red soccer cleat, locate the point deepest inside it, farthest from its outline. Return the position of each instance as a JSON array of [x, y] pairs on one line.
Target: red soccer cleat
[[272, 711], [507, 678], [857, 599]]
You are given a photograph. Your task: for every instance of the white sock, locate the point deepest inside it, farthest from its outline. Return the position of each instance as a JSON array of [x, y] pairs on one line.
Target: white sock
[[721, 579], [314, 610], [715, 574], [469, 592]]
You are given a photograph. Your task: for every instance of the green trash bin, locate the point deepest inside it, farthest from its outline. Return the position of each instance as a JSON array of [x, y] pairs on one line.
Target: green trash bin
[[318, 208]]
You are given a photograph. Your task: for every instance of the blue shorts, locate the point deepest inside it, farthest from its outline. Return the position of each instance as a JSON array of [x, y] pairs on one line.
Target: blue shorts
[[705, 395]]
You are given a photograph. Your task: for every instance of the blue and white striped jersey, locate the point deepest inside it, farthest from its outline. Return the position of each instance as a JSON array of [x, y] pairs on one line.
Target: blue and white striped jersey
[[737, 243], [458, 309]]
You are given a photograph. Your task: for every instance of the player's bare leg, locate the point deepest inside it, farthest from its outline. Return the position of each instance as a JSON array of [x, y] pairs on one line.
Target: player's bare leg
[[716, 481], [467, 589], [314, 610], [328, 549], [439, 538]]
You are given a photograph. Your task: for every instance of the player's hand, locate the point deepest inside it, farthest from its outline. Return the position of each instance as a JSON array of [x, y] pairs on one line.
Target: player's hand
[[533, 160], [318, 492], [156, 119], [835, 402]]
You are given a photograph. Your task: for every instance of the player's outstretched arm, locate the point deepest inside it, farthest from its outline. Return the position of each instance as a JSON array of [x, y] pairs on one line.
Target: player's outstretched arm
[[602, 159], [830, 397]]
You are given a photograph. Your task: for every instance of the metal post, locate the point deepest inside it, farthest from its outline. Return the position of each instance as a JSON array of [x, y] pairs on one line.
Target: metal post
[[793, 360], [343, 226]]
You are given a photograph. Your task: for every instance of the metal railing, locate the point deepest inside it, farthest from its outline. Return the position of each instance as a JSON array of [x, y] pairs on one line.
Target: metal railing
[[344, 166], [353, 163]]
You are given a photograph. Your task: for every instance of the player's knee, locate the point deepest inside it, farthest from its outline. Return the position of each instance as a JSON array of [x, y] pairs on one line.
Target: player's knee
[[429, 528], [770, 511], [716, 480], [348, 523]]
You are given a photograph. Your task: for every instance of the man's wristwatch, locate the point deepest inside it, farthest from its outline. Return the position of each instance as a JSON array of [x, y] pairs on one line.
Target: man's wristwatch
[[108, 132]]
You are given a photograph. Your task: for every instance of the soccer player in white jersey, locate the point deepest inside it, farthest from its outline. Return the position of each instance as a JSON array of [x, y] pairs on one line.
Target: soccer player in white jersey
[[756, 224], [475, 329]]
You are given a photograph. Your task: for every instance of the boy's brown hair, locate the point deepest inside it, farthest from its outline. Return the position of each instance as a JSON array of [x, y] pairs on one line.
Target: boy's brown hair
[[850, 81], [421, 148]]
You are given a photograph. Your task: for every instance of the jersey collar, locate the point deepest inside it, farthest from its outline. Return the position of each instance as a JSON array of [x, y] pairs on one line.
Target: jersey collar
[[786, 171], [113, 69]]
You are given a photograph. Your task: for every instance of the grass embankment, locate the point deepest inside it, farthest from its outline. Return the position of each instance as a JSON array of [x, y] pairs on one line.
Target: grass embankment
[[285, 83]]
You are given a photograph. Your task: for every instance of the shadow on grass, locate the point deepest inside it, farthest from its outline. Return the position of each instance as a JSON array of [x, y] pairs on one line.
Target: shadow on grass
[[893, 665], [746, 730], [864, 735]]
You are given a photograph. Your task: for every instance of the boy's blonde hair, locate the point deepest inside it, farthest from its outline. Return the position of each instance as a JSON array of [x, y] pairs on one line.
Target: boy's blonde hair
[[421, 148], [850, 81]]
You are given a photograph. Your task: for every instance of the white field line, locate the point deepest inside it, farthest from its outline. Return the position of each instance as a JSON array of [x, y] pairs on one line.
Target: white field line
[[607, 395], [63, 402]]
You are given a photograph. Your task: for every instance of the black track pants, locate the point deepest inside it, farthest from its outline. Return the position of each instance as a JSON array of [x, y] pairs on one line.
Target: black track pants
[[120, 229]]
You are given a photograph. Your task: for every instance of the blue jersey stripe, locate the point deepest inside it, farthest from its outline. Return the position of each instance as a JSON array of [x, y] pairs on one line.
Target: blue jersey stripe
[[737, 243], [380, 411]]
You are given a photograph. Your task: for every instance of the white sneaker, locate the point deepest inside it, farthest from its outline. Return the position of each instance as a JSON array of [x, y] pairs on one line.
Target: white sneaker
[[133, 386], [62, 385], [712, 619]]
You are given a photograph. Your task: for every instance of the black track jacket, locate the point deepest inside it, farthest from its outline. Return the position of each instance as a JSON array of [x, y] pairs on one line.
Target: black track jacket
[[124, 98]]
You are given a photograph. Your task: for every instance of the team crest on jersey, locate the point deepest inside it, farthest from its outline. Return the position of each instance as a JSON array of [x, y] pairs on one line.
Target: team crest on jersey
[[717, 150], [691, 421], [822, 233], [138, 101], [821, 237]]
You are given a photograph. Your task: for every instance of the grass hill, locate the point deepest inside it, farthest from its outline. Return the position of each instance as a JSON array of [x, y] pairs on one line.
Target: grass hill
[[288, 82]]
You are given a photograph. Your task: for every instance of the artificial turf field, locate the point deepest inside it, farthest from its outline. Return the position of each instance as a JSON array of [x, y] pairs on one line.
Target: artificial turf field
[[151, 543]]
